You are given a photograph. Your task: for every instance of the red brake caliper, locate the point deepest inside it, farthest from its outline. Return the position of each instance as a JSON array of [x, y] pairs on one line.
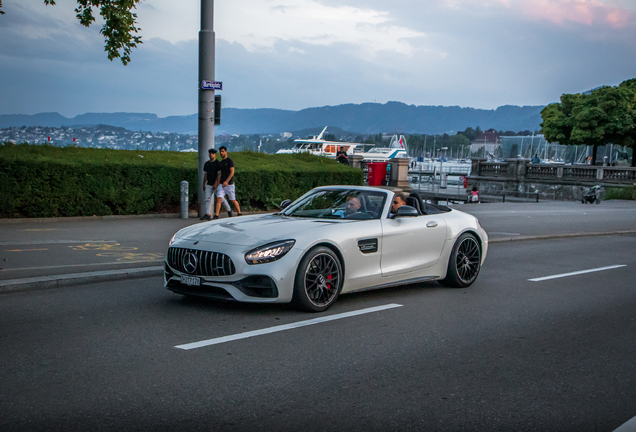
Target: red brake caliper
[[329, 277]]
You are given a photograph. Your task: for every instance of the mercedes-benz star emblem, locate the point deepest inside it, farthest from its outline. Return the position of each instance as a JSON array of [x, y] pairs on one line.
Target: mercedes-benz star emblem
[[189, 262]]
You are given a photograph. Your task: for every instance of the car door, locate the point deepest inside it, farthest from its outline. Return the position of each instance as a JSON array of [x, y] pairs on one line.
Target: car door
[[411, 243], [360, 244]]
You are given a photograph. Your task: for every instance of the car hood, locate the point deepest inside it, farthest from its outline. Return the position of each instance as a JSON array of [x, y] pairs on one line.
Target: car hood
[[251, 230]]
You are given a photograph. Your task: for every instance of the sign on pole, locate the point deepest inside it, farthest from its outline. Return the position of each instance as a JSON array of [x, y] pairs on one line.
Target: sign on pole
[[211, 85]]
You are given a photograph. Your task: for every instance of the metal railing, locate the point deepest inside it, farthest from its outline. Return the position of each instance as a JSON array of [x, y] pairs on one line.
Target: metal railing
[[445, 167], [429, 183]]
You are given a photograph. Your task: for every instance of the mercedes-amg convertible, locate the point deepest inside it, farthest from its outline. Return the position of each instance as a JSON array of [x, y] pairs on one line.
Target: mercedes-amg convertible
[[330, 241]]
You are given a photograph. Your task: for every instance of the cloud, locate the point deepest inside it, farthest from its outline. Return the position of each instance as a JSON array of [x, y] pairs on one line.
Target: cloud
[[260, 24], [579, 11], [588, 12], [265, 23], [294, 54]]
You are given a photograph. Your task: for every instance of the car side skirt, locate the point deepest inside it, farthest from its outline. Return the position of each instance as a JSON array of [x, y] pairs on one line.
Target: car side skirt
[[395, 284]]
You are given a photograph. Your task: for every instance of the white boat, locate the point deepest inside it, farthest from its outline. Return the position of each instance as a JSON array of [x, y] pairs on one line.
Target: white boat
[[321, 147]]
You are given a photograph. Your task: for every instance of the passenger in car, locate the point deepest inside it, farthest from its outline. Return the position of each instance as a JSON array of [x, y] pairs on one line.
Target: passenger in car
[[398, 201]]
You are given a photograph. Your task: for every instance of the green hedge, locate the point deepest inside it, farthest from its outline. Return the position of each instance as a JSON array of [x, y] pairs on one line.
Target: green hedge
[[49, 181], [625, 193]]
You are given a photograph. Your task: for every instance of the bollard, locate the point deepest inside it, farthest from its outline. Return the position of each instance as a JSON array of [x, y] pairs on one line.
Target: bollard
[[184, 200]]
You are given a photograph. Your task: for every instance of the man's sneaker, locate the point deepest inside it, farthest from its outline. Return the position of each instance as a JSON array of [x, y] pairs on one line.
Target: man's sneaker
[[215, 217], [229, 213], [240, 214], [205, 217]]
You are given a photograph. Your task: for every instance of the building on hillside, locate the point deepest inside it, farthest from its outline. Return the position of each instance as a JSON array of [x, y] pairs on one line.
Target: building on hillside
[[488, 144]]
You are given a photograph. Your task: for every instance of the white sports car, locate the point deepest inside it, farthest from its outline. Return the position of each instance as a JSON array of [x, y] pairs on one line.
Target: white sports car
[[332, 240]]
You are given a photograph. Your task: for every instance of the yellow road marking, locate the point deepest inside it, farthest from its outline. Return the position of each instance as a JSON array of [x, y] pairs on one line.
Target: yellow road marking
[[23, 250], [128, 256], [116, 247]]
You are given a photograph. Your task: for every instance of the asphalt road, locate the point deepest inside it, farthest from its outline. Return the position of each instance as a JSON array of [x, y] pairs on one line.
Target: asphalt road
[[510, 221], [505, 354]]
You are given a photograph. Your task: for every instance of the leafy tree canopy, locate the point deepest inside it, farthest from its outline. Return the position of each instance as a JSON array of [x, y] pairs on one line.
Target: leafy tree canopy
[[603, 116], [120, 24]]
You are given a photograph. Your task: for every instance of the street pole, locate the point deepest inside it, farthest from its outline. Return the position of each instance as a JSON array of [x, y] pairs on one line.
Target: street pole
[[206, 97]]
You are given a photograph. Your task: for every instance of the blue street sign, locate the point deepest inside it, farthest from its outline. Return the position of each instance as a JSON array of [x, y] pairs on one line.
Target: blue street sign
[[211, 85]]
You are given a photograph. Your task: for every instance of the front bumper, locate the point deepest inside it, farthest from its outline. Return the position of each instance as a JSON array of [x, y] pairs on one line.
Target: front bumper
[[261, 283]]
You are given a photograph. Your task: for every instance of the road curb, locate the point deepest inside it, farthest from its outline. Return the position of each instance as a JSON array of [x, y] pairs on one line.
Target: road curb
[[629, 426], [558, 236], [57, 281], [7, 221], [194, 216]]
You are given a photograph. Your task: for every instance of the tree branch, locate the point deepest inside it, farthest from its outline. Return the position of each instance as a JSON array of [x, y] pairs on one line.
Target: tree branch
[[120, 24]]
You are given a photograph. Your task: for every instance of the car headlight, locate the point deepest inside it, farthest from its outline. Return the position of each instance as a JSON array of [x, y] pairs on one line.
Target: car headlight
[[269, 252], [173, 238]]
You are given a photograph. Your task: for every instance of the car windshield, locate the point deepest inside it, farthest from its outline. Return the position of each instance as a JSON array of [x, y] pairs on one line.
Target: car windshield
[[338, 204]]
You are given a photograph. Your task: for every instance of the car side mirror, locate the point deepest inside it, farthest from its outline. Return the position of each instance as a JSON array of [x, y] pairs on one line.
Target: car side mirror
[[285, 204], [404, 211]]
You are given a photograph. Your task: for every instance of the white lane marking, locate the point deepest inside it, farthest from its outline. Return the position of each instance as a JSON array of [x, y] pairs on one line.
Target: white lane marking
[[577, 273], [283, 327]]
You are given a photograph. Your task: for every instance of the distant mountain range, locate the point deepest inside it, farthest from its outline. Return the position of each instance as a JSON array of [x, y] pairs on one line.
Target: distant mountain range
[[366, 118]]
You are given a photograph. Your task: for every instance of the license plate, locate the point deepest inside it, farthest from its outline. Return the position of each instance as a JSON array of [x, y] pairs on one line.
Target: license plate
[[190, 280]]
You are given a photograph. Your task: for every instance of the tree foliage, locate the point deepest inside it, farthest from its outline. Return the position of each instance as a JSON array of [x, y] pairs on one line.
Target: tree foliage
[[120, 24], [603, 116]]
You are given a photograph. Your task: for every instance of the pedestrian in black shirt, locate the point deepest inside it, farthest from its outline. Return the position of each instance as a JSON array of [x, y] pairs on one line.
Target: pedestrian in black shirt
[[342, 157], [210, 176], [226, 183]]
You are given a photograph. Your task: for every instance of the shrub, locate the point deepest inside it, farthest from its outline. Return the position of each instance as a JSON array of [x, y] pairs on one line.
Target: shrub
[[625, 193], [49, 181]]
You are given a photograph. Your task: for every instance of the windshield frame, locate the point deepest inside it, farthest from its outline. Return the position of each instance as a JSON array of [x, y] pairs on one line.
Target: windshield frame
[[334, 204]]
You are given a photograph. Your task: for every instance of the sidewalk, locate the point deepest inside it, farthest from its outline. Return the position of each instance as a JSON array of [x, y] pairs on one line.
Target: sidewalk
[[47, 253], [42, 253]]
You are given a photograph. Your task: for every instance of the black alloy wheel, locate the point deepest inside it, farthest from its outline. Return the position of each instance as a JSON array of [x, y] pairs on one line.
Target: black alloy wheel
[[318, 280], [464, 263]]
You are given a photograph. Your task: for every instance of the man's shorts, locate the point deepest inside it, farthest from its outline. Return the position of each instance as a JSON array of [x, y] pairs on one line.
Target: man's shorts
[[209, 198], [227, 190]]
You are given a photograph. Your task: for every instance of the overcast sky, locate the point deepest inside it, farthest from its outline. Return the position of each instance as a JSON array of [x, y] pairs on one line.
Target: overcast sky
[[295, 54]]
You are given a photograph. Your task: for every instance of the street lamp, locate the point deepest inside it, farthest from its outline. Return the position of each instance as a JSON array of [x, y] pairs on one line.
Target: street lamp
[[206, 97]]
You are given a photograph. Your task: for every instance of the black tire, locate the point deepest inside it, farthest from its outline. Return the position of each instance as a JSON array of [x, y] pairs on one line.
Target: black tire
[[318, 280], [464, 262]]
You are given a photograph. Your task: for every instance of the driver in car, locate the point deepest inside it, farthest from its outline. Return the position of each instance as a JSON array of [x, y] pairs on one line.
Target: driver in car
[[353, 206]]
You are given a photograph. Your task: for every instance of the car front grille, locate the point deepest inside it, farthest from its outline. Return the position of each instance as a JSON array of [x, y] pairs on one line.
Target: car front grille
[[207, 263]]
